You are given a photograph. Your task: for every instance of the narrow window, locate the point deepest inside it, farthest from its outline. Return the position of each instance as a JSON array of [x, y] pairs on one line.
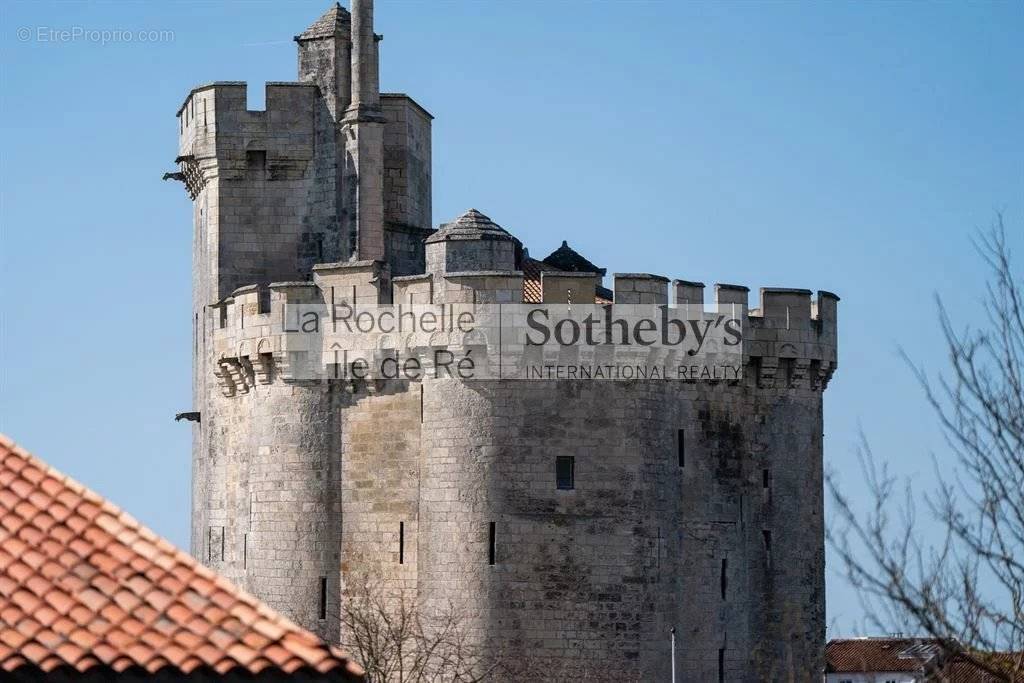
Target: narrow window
[[766, 479], [263, 300], [681, 447], [723, 578], [256, 164], [401, 543], [658, 551], [215, 544], [490, 543], [767, 540], [565, 472], [721, 665], [323, 597]]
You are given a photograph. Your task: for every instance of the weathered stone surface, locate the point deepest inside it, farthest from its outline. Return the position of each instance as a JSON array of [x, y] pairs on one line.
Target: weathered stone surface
[[696, 505]]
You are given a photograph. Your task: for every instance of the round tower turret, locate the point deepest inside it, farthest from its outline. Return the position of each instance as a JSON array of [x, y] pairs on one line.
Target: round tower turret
[[472, 242]]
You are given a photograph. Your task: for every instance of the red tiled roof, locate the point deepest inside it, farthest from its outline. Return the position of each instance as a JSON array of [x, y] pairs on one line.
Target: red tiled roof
[[879, 654], [86, 588], [531, 280], [922, 655], [532, 293], [960, 670]]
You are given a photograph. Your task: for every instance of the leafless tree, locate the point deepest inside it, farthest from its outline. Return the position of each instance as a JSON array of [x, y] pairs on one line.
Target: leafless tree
[[965, 589], [397, 640]]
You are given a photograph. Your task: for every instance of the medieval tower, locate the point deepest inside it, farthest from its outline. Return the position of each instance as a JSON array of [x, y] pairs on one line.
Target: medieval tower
[[694, 505]]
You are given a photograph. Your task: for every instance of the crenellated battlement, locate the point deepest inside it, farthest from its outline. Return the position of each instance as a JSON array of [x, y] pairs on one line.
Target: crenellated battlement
[[230, 141], [789, 340]]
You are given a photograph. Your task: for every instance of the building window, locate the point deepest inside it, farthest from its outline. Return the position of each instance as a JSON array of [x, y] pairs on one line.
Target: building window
[[565, 472], [256, 164], [681, 447], [491, 550], [721, 665], [401, 543], [215, 544], [323, 597], [723, 578]]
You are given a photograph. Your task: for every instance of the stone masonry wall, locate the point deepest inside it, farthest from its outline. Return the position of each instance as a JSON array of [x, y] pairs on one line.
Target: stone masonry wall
[[591, 579], [274, 497], [380, 487]]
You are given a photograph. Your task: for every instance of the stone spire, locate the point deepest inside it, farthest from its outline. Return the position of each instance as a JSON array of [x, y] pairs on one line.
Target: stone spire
[[364, 143], [365, 64]]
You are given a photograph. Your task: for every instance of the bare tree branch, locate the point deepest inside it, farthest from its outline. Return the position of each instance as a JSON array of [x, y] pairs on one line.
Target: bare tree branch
[[966, 591]]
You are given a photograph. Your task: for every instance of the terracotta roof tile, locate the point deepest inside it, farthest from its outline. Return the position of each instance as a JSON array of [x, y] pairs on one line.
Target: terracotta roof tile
[[85, 588], [921, 655], [878, 654], [961, 670], [532, 293]]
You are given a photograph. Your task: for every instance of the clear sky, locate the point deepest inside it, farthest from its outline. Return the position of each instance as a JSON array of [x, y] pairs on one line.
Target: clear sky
[[847, 147]]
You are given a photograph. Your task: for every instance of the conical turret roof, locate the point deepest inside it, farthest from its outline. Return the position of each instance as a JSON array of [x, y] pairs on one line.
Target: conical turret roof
[[333, 21], [567, 258], [471, 225]]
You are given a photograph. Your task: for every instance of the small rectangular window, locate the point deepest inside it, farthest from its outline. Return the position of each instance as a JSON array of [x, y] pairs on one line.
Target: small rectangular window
[[766, 479], [767, 540], [401, 543], [256, 164], [681, 447], [723, 579], [491, 554], [721, 665], [323, 597], [565, 472]]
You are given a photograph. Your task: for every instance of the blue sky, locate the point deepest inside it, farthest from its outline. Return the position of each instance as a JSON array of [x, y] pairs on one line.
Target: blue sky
[[839, 146]]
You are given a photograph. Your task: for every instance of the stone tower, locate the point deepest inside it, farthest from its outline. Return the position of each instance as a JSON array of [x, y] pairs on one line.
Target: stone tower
[[696, 504]]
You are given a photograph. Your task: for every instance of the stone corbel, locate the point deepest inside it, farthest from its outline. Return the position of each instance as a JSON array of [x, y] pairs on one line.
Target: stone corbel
[[798, 373], [262, 366], [223, 374], [766, 371], [822, 374]]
